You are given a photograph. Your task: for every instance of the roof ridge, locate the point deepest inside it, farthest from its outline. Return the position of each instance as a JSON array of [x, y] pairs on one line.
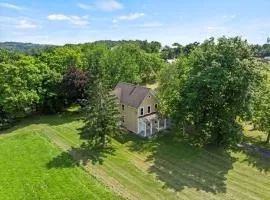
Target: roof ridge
[[135, 85], [132, 94], [126, 83]]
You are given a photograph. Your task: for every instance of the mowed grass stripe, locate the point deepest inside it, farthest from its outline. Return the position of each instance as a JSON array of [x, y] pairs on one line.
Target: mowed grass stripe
[[209, 165], [63, 141], [204, 168], [113, 168], [128, 178], [64, 138], [217, 162], [146, 171], [51, 131], [26, 175], [157, 159], [212, 177], [134, 180]]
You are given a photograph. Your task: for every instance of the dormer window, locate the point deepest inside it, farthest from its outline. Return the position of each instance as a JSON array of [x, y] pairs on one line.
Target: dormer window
[[156, 106], [141, 111], [149, 109]]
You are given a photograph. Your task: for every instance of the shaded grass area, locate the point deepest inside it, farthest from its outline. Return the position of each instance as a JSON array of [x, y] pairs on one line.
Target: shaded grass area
[[257, 139], [25, 171], [162, 168]]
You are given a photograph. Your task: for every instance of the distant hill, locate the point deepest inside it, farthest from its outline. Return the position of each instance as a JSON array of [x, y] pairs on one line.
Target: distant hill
[[21, 47]]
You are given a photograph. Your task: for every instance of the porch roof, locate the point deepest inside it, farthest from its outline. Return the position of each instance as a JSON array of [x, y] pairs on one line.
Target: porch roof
[[149, 118]]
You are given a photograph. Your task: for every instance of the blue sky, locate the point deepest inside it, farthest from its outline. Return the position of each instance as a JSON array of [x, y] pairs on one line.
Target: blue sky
[[183, 21]]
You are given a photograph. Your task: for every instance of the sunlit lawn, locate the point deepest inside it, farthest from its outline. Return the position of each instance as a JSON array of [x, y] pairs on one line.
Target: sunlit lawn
[[135, 168], [26, 170]]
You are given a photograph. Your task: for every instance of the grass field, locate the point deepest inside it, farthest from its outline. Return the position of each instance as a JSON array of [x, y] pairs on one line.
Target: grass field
[[135, 168], [27, 171]]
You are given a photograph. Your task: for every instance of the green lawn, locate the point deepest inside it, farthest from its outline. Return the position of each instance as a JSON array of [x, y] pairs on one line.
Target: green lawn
[[135, 168], [28, 171]]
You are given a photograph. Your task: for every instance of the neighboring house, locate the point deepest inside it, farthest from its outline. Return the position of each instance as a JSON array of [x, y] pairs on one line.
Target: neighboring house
[[171, 61], [266, 58], [138, 106]]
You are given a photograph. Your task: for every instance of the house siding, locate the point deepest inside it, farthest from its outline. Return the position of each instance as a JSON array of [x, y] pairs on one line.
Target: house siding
[[130, 118], [149, 100]]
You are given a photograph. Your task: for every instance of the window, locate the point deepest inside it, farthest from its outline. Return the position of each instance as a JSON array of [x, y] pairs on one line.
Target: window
[[123, 107], [141, 111], [156, 106], [148, 109]]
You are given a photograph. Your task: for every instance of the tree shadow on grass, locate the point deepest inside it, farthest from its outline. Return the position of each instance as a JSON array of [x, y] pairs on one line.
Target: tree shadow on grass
[[256, 150], [81, 156], [179, 165], [256, 156], [257, 161]]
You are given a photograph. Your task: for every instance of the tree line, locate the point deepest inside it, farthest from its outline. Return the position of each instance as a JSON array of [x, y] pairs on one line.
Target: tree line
[[51, 78], [207, 92]]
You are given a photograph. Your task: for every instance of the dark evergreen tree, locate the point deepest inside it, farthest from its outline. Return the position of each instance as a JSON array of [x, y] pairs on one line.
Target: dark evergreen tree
[[101, 111]]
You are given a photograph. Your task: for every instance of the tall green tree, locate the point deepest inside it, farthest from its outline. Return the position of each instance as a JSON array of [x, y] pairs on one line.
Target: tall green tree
[[61, 58], [261, 105], [21, 85], [131, 64], [102, 113], [215, 87]]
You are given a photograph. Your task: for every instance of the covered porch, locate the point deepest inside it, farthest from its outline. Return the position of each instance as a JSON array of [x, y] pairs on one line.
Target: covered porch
[[150, 124]]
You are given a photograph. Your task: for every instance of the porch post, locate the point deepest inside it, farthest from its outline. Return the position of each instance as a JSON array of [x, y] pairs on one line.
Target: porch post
[[158, 124], [138, 126], [151, 127], [144, 129], [164, 123]]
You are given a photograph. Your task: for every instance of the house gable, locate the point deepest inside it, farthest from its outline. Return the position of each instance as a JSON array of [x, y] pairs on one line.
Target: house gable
[[149, 104]]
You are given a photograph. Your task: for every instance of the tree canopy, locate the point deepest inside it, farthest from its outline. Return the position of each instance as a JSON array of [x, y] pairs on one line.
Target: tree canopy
[[212, 88], [206, 92]]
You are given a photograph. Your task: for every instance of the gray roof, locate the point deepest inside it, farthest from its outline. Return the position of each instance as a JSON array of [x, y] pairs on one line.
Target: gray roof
[[131, 95]]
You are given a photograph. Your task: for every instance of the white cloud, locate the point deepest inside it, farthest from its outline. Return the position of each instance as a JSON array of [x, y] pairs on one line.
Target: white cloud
[[108, 5], [129, 17], [104, 5], [72, 19], [12, 6], [25, 24], [58, 17], [85, 6], [18, 22]]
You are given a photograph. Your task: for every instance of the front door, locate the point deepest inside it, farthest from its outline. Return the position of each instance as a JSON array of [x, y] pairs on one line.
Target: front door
[[141, 127]]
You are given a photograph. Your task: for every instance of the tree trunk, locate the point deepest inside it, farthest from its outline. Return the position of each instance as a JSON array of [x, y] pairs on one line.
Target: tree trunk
[[268, 138]]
